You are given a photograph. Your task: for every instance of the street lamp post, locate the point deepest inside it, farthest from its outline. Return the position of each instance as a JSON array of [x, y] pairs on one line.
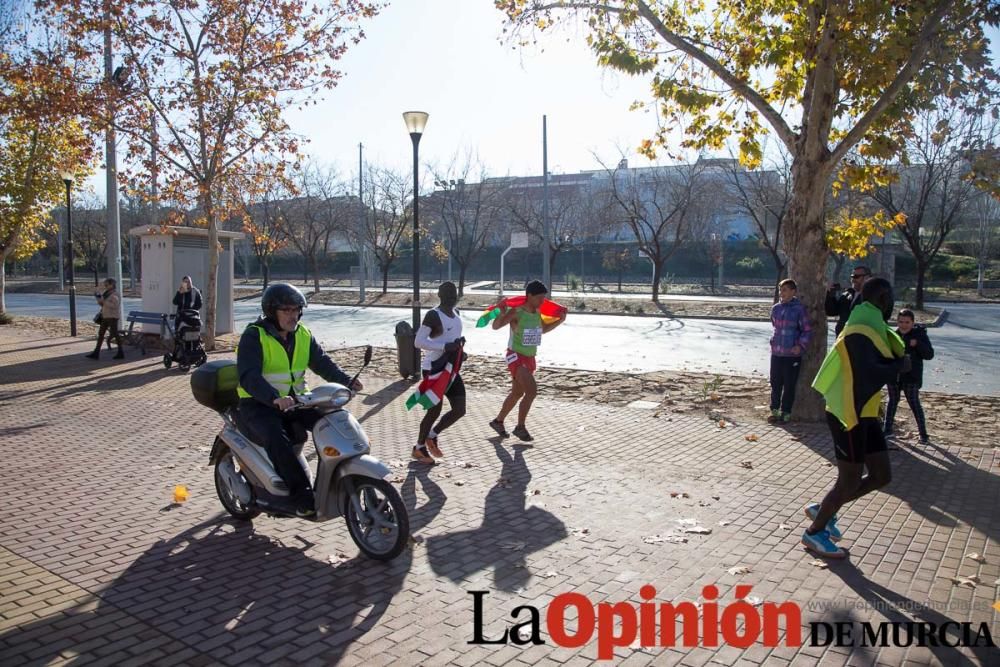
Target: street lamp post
[[67, 178], [415, 123]]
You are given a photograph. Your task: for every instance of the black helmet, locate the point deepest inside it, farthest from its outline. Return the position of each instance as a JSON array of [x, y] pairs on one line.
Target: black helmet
[[281, 295]]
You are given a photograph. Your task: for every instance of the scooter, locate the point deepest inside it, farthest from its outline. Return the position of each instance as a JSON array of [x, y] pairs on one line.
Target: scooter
[[349, 481]]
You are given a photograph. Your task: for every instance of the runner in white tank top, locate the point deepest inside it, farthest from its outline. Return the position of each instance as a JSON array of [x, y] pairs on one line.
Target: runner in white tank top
[[440, 334]]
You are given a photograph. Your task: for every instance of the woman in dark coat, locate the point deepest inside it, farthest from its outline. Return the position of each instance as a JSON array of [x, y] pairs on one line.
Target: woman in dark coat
[[187, 298]]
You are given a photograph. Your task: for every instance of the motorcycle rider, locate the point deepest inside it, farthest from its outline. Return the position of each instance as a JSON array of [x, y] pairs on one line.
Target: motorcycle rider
[[272, 358]]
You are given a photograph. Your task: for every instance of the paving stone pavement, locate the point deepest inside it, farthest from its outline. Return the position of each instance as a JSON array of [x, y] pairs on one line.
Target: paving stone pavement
[[98, 566]]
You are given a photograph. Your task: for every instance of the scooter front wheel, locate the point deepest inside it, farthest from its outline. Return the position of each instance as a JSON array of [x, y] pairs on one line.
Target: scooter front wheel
[[225, 468], [376, 517]]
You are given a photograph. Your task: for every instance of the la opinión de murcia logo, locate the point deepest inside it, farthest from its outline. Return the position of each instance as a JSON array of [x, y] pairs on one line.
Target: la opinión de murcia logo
[[739, 623]]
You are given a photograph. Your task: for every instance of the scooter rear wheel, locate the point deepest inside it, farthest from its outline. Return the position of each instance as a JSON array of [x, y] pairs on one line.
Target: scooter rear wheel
[[227, 497], [376, 517], [167, 361]]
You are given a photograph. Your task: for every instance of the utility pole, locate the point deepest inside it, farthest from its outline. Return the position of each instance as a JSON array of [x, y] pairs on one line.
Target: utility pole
[[362, 255], [114, 252], [546, 269]]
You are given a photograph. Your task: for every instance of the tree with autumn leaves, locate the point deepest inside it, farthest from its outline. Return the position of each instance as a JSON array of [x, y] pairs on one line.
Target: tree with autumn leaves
[[42, 133], [825, 78], [217, 75]]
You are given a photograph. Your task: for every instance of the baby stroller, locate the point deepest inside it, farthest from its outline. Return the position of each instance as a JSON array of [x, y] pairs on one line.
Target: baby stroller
[[188, 350]]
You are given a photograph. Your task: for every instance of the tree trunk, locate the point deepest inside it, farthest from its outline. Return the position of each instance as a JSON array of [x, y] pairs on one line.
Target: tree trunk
[[265, 269], [385, 280], [921, 274], [315, 271], [807, 257], [461, 280], [3, 285], [619, 280], [657, 269], [212, 281]]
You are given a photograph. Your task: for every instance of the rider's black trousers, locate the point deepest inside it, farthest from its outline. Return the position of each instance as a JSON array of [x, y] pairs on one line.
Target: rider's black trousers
[[276, 431]]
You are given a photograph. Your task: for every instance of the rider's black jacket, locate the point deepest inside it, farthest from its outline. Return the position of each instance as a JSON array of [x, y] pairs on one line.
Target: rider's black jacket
[[250, 362]]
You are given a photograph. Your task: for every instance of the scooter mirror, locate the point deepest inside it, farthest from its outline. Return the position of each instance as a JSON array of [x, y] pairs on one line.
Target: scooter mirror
[[368, 355]]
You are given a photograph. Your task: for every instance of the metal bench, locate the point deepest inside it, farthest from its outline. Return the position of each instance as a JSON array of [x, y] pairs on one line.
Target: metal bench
[[136, 338]]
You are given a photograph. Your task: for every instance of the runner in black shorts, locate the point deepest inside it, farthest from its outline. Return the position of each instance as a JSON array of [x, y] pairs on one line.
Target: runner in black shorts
[[440, 335], [856, 445], [866, 356]]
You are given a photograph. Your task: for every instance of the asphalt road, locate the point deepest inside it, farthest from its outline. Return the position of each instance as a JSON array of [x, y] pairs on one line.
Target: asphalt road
[[967, 347]]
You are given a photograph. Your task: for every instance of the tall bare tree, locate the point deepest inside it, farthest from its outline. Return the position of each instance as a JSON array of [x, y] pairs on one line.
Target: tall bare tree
[[467, 211], [659, 205], [314, 215], [931, 185], [524, 204], [764, 195], [388, 217]]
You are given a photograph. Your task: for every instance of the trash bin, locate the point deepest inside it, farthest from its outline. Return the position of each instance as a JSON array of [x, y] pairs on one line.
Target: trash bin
[[409, 357]]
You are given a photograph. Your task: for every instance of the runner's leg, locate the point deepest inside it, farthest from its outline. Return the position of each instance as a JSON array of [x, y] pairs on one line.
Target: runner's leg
[[516, 392], [527, 381]]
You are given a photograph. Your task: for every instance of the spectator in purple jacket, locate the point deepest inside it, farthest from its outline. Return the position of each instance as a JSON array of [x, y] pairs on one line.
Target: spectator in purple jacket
[[792, 332]]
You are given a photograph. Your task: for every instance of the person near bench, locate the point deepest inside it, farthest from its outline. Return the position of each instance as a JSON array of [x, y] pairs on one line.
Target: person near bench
[[110, 305]]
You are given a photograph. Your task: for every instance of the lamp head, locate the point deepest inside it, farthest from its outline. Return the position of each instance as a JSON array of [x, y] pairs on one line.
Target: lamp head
[[415, 121]]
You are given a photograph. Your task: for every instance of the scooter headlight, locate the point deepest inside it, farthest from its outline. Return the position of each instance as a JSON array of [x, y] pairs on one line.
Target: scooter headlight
[[341, 397]]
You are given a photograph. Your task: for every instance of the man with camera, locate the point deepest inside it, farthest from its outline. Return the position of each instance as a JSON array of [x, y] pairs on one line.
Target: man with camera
[[840, 303]]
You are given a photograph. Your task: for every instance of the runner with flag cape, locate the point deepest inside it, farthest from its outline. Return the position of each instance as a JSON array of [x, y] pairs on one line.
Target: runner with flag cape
[[529, 317], [865, 356], [440, 336], [549, 310]]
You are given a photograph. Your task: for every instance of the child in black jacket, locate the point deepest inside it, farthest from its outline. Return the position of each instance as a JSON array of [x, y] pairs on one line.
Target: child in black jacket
[[919, 349]]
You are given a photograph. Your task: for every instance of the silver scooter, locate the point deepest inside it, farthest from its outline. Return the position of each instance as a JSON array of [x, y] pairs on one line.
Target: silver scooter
[[349, 481]]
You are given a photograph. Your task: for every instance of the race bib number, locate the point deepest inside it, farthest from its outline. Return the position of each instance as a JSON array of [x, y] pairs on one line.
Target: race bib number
[[531, 337]]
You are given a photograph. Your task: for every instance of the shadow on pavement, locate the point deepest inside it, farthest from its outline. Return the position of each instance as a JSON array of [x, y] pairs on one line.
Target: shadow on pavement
[[75, 374], [889, 603], [221, 584], [936, 484], [509, 531], [383, 397]]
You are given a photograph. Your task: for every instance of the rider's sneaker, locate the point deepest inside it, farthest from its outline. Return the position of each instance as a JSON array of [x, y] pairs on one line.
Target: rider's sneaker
[[786, 417], [821, 545], [831, 525], [304, 512], [420, 455], [774, 417], [522, 434], [499, 428], [432, 447]]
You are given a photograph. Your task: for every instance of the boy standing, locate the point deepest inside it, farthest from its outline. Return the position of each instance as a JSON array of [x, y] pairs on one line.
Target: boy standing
[[918, 349], [792, 332], [865, 357], [526, 329]]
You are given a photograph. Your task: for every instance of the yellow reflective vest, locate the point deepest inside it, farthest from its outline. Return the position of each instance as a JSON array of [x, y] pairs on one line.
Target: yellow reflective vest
[[281, 375]]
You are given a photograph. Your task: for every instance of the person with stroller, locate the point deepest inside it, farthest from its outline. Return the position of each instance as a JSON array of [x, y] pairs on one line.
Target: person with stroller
[[107, 319], [187, 298]]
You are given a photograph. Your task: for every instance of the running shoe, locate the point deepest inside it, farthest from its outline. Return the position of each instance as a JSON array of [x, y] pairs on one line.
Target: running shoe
[[831, 525], [498, 427], [432, 447], [522, 434], [421, 456], [821, 545]]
